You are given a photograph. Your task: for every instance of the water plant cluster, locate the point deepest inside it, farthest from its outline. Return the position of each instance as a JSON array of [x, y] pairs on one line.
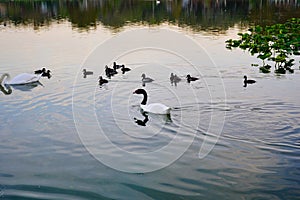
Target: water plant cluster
[[278, 43]]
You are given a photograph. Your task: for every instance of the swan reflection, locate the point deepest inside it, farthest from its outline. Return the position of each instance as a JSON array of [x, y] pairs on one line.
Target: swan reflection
[[7, 89], [165, 119], [142, 122]]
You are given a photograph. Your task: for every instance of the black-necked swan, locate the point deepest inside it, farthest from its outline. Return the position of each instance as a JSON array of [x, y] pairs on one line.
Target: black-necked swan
[[146, 79], [189, 78], [20, 79], [85, 72], [125, 69], [102, 80], [248, 81], [156, 108], [40, 71]]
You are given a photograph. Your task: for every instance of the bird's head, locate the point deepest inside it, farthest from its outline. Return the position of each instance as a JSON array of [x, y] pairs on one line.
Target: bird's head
[[139, 91]]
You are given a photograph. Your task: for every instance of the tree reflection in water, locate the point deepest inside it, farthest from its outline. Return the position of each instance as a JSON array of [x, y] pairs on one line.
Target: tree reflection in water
[[211, 15]]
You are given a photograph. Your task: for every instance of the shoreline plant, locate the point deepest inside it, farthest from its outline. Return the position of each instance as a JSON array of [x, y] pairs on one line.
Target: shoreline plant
[[278, 43]]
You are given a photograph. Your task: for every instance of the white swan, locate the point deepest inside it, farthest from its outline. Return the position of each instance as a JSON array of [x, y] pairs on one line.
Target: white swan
[[20, 79], [156, 108]]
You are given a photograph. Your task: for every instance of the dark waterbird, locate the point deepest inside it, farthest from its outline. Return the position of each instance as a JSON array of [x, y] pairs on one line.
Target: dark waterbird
[[189, 78], [85, 72], [109, 71], [47, 74], [125, 69], [102, 80], [248, 81], [115, 66], [174, 79], [146, 79], [40, 71]]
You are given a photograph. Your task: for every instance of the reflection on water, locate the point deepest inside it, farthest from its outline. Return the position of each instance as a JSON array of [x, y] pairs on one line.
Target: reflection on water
[[8, 89], [142, 122], [26, 87], [42, 156], [212, 15]]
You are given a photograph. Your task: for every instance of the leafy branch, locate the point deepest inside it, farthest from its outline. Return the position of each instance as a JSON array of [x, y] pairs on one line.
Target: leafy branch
[[278, 43]]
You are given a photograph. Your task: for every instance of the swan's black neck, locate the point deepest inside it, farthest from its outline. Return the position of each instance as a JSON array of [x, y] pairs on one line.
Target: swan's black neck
[[144, 102]]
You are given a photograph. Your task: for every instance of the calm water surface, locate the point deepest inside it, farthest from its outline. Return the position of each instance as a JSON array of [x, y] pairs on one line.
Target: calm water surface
[[44, 154]]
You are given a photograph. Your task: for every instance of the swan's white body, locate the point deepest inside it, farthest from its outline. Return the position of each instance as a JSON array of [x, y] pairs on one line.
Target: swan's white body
[[23, 78], [156, 108]]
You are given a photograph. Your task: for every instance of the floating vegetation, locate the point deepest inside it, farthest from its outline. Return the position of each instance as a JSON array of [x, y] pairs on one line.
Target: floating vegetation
[[278, 43]]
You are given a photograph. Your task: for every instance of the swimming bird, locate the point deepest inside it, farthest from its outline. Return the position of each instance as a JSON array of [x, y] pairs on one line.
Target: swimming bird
[[40, 71], [115, 69], [248, 81], [174, 78], [102, 80], [85, 72], [109, 71], [20, 79], [146, 79], [47, 74], [156, 108], [190, 78], [115, 66], [124, 69]]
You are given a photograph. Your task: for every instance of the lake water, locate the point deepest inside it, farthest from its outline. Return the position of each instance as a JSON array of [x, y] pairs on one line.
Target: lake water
[[69, 138]]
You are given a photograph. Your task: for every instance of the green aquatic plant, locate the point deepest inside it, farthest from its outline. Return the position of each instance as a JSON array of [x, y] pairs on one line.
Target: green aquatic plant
[[277, 43]]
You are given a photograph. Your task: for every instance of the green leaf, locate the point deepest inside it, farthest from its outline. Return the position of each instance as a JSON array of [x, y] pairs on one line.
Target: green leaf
[[264, 56], [264, 70]]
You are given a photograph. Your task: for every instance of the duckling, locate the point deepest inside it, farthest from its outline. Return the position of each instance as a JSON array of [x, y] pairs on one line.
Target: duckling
[[248, 81], [109, 71], [115, 70], [174, 79], [102, 80], [115, 66], [146, 79], [85, 73], [125, 69], [190, 78], [40, 71], [47, 74]]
